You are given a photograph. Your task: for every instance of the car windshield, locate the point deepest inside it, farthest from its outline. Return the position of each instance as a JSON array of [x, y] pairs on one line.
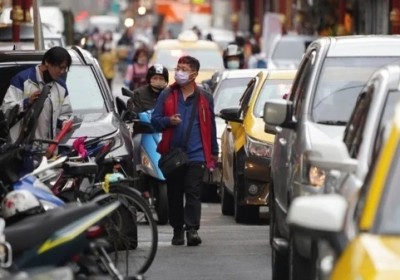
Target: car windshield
[[272, 89], [388, 219], [340, 82], [229, 93], [84, 91], [209, 59]]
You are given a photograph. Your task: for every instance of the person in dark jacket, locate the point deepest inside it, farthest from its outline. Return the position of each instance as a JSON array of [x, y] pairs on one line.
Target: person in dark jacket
[[171, 116], [144, 98]]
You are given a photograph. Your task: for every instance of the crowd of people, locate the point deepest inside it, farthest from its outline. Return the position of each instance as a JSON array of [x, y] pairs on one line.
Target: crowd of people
[[183, 111]]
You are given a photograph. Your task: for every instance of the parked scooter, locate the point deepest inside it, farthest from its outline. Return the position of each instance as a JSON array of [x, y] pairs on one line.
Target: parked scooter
[[58, 237], [151, 179]]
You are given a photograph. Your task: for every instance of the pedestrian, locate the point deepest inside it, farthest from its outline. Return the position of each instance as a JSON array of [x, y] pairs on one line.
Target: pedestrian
[[233, 57], [26, 86], [145, 97], [136, 72], [184, 113], [257, 59], [108, 61]]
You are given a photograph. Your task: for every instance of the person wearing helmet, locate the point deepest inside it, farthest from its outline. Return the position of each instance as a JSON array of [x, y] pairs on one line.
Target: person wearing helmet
[[233, 57], [145, 97]]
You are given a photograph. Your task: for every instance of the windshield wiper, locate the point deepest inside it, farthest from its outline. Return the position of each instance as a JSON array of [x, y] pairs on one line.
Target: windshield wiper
[[333, 122]]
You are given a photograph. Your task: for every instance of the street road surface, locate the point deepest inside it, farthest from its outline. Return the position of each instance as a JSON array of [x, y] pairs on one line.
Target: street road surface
[[229, 251]]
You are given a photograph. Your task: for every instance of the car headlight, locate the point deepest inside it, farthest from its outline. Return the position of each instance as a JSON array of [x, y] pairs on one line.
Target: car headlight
[[257, 148], [316, 176], [312, 174]]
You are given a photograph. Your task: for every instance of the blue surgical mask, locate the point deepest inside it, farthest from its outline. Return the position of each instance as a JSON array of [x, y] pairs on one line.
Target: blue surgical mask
[[233, 64], [182, 78]]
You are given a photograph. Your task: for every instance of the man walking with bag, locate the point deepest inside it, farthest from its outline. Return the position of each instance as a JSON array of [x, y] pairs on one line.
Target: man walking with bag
[[184, 113]]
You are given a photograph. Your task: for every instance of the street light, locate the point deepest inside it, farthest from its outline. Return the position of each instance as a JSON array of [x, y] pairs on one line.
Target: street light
[[142, 10]]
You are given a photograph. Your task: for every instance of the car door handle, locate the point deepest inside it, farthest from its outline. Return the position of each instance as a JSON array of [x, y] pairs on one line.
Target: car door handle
[[229, 128], [282, 141]]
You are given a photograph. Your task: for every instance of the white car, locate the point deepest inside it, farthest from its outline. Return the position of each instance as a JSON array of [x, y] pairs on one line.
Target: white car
[[287, 51]]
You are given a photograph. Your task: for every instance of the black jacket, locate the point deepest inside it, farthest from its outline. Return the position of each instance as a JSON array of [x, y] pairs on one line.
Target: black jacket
[[142, 99]]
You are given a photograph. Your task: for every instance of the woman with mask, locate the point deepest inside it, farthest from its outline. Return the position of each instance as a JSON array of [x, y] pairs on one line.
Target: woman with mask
[[136, 72], [145, 97], [233, 57]]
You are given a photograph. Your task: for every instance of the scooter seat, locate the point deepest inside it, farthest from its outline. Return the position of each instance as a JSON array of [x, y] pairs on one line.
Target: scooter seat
[[80, 168], [34, 230]]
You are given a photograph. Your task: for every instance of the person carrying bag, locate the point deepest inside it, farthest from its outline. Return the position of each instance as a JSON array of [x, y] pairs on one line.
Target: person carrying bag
[[176, 157], [184, 113]]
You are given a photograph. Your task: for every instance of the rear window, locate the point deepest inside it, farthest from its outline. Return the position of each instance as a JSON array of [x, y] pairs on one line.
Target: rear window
[[229, 93], [272, 89], [290, 49], [84, 91]]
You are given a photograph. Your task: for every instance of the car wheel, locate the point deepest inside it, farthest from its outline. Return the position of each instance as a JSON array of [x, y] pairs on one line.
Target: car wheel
[[299, 266], [279, 260], [226, 202], [209, 193], [245, 213]]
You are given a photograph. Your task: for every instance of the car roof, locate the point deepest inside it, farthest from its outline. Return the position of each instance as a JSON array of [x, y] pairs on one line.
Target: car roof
[[362, 45], [78, 55], [297, 37], [178, 44], [280, 74], [239, 73]]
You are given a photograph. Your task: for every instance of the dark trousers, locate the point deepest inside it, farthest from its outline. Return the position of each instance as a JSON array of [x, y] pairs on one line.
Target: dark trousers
[[184, 196]]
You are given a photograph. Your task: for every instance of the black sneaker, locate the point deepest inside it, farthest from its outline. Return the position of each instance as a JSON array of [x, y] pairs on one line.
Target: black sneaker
[[193, 238], [179, 237]]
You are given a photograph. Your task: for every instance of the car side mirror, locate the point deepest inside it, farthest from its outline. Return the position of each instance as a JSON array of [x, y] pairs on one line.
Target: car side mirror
[[231, 114], [321, 217], [121, 106], [126, 92], [278, 112]]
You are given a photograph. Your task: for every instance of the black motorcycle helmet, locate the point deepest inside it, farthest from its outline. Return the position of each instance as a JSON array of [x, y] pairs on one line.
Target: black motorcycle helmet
[[157, 69], [233, 50]]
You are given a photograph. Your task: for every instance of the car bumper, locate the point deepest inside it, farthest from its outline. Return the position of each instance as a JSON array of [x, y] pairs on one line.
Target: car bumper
[[255, 189]]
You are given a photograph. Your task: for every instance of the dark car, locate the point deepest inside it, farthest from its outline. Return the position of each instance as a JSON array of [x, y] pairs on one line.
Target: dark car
[[91, 99]]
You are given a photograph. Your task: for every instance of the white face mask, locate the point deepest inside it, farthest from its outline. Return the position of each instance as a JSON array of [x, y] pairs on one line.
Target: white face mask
[[182, 78], [233, 64]]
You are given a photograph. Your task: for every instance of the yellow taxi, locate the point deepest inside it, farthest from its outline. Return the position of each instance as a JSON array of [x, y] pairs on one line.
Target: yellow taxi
[[363, 233], [168, 51], [246, 148]]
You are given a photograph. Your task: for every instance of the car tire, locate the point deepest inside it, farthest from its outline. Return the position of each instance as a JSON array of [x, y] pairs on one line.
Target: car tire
[[209, 193], [227, 207], [299, 266], [279, 260], [245, 213], [161, 203]]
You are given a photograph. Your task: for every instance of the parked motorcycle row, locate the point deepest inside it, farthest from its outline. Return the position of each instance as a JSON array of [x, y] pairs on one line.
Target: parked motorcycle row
[[67, 216]]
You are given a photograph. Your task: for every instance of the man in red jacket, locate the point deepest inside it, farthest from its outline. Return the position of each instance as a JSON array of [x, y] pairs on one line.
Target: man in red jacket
[[172, 116]]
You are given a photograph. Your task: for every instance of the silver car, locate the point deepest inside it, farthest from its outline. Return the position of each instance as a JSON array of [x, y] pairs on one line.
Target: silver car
[[330, 77]]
